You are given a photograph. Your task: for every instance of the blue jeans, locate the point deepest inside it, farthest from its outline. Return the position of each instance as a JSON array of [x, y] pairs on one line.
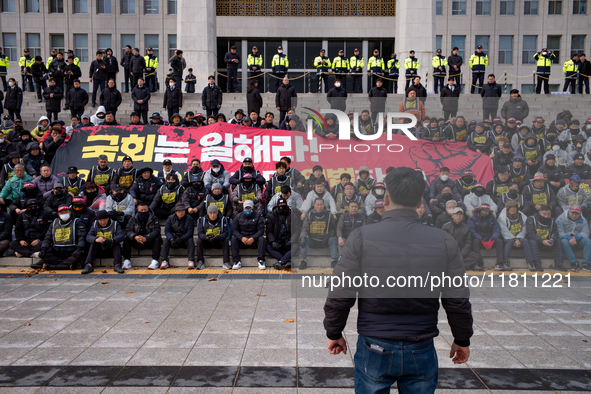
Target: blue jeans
[[312, 243], [584, 243], [412, 364]]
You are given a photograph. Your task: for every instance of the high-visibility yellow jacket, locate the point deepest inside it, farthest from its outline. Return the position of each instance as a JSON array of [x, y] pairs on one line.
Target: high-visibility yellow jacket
[[254, 60], [280, 63], [356, 61], [320, 67]]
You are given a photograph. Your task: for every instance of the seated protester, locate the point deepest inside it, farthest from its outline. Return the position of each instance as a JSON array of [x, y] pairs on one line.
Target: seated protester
[[539, 193], [6, 148], [238, 117], [293, 198], [120, 206], [179, 231], [579, 145], [378, 212], [248, 231], [166, 170], [34, 159], [573, 129], [194, 170], [519, 172], [85, 121], [316, 175], [217, 174], [295, 174], [530, 150], [42, 127], [445, 216], [480, 140], [13, 187], [176, 120], [19, 205], [6, 224], [546, 142], [503, 157], [268, 123], [102, 174], [50, 145], [439, 203], [99, 117], [212, 232], [348, 222], [110, 119], [364, 182], [222, 118], [513, 229], [218, 198], [8, 169], [134, 119], [142, 232], [553, 173], [46, 181], [319, 192], [281, 241], [318, 231], [542, 233], [579, 167], [194, 195], [63, 246], [573, 232], [365, 123], [425, 217], [80, 211], [278, 180], [466, 183], [56, 199], [145, 186], [167, 197], [561, 158], [30, 229], [498, 131], [476, 198], [570, 195], [377, 193], [247, 190], [519, 138], [189, 120], [486, 232], [339, 189], [432, 132], [457, 131], [348, 197], [437, 185], [157, 120], [499, 185], [460, 231], [72, 182], [94, 196], [125, 176], [513, 194], [104, 237], [247, 168]]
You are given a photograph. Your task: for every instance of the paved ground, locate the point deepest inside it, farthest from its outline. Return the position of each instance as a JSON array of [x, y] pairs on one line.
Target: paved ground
[[160, 334]]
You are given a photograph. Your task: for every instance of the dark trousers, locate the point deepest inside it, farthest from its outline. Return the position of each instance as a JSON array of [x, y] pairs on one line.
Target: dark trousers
[[543, 80], [585, 81], [53, 114], [324, 78], [60, 260], [96, 251], [27, 78], [151, 83], [172, 111], [489, 113], [282, 114], [201, 245], [393, 85], [178, 79], [112, 76], [26, 251], [155, 245], [283, 253], [135, 77], [14, 114], [127, 79], [457, 75], [477, 78], [556, 252], [4, 83], [438, 82], [68, 88], [278, 80], [41, 85], [374, 78], [77, 112], [260, 243], [95, 89], [162, 213], [143, 116], [408, 79], [525, 245], [211, 112], [232, 80], [189, 244], [477, 244], [448, 114], [357, 83], [572, 82], [4, 245]]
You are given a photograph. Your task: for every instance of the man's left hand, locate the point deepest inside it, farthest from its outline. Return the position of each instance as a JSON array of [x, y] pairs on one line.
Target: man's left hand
[[337, 346]]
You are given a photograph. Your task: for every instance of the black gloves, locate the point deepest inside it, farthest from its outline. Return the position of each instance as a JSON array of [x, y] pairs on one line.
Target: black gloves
[[302, 242], [78, 253], [43, 252], [275, 245]]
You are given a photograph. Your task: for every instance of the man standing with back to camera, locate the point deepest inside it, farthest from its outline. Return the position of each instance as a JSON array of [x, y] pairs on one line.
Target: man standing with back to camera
[[396, 325]]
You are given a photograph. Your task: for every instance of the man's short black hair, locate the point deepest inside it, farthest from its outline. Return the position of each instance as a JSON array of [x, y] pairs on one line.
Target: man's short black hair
[[455, 49], [545, 208], [270, 113], [345, 175], [285, 189], [140, 204], [318, 198], [405, 186], [451, 79], [444, 169], [492, 75], [197, 160], [354, 202], [286, 158]]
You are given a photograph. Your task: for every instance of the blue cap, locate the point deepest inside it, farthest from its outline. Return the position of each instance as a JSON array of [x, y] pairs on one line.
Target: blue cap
[[575, 178]]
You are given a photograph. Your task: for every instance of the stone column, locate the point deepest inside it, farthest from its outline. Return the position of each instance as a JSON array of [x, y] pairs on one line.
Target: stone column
[[415, 29], [196, 37]]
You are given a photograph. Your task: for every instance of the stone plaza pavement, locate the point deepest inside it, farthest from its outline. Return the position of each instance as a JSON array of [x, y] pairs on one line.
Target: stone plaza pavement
[[64, 333]]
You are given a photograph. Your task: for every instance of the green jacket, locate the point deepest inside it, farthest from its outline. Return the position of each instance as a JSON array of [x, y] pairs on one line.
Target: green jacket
[[13, 187]]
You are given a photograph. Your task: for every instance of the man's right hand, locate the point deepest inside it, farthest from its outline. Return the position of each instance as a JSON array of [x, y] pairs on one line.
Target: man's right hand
[[139, 239], [23, 243], [99, 240], [459, 354], [339, 345], [546, 242]]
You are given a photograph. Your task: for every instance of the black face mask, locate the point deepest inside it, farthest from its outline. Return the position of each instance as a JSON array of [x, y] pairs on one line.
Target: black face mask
[[45, 179], [91, 195], [248, 184], [33, 211], [143, 216], [544, 220], [30, 193], [447, 196], [468, 179], [283, 210], [281, 178], [197, 186], [59, 193], [479, 192], [118, 196], [551, 137], [171, 185], [512, 193]]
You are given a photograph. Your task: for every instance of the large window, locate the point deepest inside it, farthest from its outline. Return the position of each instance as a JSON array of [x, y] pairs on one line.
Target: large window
[[103, 6], [151, 41], [127, 39], [577, 44], [530, 45], [127, 7], [80, 6], [31, 5], [530, 7], [484, 41], [9, 46], [81, 47], [57, 42], [34, 44], [103, 41], [439, 7], [460, 42], [151, 7], [458, 7], [172, 45], [56, 6], [438, 40], [553, 45], [507, 7], [305, 8], [505, 49], [8, 5], [172, 7], [579, 7], [483, 8], [554, 7]]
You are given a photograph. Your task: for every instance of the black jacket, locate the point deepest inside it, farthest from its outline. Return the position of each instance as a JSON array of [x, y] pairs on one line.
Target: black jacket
[[421, 91], [97, 71], [53, 103], [137, 64], [377, 98], [76, 73], [400, 313], [228, 59], [112, 65], [29, 228], [449, 99], [145, 190], [37, 70], [173, 98], [337, 98], [126, 60], [182, 229], [56, 68], [274, 221], [14, 98], [252, 226], [491, 94], [150, 229], [515, 108], [177, 66], [454, 60], [254, 101], [142, 93], [286, 97], [78, 98], [53, 202], [110, 99], [5, 227], [462, 234], [211, 97], [585, 68]]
